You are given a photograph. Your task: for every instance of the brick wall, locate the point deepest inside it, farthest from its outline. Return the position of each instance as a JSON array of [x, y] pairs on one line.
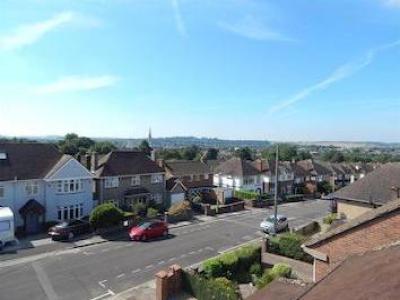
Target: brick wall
[[370, 236], [168, 283]]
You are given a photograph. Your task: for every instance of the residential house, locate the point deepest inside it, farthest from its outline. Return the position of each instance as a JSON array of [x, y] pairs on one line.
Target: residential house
[[310, 172], [195, 177], [42, 185], [128, 177], [373, 190], [237, 173], [370, 231], [286, 173]]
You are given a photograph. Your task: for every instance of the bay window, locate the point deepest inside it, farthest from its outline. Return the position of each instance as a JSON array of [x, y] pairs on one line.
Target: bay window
[[156, 178]]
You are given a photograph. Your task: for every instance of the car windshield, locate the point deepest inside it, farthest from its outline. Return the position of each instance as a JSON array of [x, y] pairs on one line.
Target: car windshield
[[62, 224], [270, 219], [144, 225]]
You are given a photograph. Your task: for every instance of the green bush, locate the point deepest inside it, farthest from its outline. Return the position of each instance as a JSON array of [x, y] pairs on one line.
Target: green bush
[[289, 245], [265, 279], [180, 212], [105, 215], [256, 269], [152, 213], [206, 289], [281, 270], [330, 218], [246, 195], [140, 209], [234, 265]]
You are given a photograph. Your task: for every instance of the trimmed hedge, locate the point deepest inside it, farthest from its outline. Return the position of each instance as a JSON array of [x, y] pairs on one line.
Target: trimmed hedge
[[206, 289], [233, 265], [152, 213], [105, 215], [289, 245], [247, 195], [330, 218], [279, 270]]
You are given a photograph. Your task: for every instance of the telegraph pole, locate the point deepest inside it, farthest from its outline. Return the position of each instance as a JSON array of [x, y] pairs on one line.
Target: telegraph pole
[[276, 190]]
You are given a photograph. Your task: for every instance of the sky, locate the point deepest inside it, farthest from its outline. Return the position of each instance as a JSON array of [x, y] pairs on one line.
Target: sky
[[287, 70]]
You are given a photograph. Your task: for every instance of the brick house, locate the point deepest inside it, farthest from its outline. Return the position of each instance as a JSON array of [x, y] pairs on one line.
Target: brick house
[[371, 191], [127, 178], [369, 231]]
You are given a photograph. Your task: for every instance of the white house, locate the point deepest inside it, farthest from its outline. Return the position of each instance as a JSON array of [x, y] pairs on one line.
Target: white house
[[40, 184]]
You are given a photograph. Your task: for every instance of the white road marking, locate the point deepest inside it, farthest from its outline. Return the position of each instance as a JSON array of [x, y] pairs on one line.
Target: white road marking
[[193, 252], [200, 250], [120, 276], [88, 253], [149, 266], [136, 271], [161, 262], [45, 282], [183, 255], [209, 248], [102, 283], [172, 258], [106, 295]]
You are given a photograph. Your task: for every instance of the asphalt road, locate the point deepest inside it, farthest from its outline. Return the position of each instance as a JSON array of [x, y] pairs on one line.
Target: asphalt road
[[100, 271]]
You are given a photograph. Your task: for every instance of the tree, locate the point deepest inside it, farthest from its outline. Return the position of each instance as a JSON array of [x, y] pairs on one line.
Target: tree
[[287, 152], [145, 147], [103, 147], [212, 154], [333, 155], [190, 153], [244, 153]]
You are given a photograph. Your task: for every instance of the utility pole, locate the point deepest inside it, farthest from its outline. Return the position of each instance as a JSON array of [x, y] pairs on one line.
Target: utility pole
[[276, 190]]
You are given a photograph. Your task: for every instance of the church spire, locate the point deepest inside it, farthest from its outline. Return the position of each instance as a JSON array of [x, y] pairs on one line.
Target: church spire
[[149, 137]]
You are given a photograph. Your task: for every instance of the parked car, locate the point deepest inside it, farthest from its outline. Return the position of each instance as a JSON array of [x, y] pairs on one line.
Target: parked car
[[67, 230], [6, 226], [148, 230], [268, 224]]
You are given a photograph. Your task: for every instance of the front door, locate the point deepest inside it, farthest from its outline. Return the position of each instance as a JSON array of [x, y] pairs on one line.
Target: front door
[[32, 223]]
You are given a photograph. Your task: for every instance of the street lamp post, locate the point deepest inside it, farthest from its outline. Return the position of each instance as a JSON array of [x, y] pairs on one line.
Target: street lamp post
[[276, 191]]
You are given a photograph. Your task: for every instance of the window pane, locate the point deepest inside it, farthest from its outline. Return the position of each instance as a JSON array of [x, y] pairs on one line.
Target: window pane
[[59, 214], [77, 215], [65, 213], [71, 212]]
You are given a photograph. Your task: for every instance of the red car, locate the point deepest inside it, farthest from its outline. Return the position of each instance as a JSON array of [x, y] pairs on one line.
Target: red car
[[148, 230]]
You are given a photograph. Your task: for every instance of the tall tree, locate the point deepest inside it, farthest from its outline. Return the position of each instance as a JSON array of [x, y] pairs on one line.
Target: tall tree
[[212, 154], [145, 147], [244, 153]]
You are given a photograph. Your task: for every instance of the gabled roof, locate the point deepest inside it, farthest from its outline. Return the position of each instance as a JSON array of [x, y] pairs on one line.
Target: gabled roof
[[117, 163], [372, 275], [27, 161], [237, 167], [375, 187], [369, 216], [187, 167]]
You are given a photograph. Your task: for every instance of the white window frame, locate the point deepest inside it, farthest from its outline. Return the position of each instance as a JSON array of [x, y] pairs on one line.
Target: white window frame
[[135, 180], [206, 176], [111, 182], [156, 198], [157, 178], [2, 191], [32, 188], [69, 186], [77, 212]]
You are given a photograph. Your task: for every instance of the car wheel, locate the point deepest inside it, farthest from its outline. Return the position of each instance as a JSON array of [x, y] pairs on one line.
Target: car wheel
[[70, 236], [144, 237]]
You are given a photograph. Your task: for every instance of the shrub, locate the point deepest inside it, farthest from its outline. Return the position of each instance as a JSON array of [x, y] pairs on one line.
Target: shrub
[[256, 269], [105, 215], [206, 289], [140, 209], [281, 270], [247, 195], [234, 265], [265, 279], [152, 213], [330, 218], [289, 245], [180, 211]]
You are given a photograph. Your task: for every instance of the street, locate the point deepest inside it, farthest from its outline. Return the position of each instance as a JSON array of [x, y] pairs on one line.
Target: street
[[100, 271]]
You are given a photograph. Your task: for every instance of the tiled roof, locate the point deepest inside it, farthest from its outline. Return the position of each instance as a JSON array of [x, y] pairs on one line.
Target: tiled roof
[[375, 187], [118, 163], [27, 161], [237, 167], [372, 275], [187, 167], [353, 223]]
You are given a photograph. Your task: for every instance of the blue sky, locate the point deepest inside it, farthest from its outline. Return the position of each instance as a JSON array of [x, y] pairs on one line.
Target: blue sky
[[277, 70]]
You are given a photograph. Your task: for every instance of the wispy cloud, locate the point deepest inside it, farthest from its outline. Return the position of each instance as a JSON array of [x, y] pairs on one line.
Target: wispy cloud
[[180, 24], [29, 34], [76, 84], [252, 28], [393, 3], [341, 73]]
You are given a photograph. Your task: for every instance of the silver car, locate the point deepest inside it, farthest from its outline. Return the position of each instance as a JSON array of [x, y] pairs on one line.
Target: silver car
[[268, 224]]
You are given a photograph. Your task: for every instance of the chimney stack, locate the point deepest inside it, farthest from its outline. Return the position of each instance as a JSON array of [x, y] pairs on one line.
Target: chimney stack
[[94, 160], [260, 164], [161, 163]]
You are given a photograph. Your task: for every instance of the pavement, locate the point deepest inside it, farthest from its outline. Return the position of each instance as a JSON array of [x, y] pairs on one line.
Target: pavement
[[110, 268]]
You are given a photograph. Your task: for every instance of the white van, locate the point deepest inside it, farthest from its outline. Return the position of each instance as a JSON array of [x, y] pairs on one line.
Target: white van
[[6, 226]]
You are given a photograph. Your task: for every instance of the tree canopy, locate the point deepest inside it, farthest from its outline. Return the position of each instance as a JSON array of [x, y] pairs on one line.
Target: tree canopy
[[73, 144]]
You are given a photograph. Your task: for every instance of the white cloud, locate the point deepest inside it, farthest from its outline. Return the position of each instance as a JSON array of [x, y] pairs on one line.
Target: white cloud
[[180, 24], [394, 3], [29, 34], [252, 28], [76, 84], [342, 72]]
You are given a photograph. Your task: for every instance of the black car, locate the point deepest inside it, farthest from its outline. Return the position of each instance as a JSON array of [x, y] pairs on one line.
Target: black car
[[67, 230]]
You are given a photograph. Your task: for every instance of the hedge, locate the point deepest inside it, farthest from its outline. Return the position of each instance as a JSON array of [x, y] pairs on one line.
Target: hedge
[[206, 289], [289, 245], [330, 218], [247, 195], [279, 270], [105, 215], [234, 265]]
